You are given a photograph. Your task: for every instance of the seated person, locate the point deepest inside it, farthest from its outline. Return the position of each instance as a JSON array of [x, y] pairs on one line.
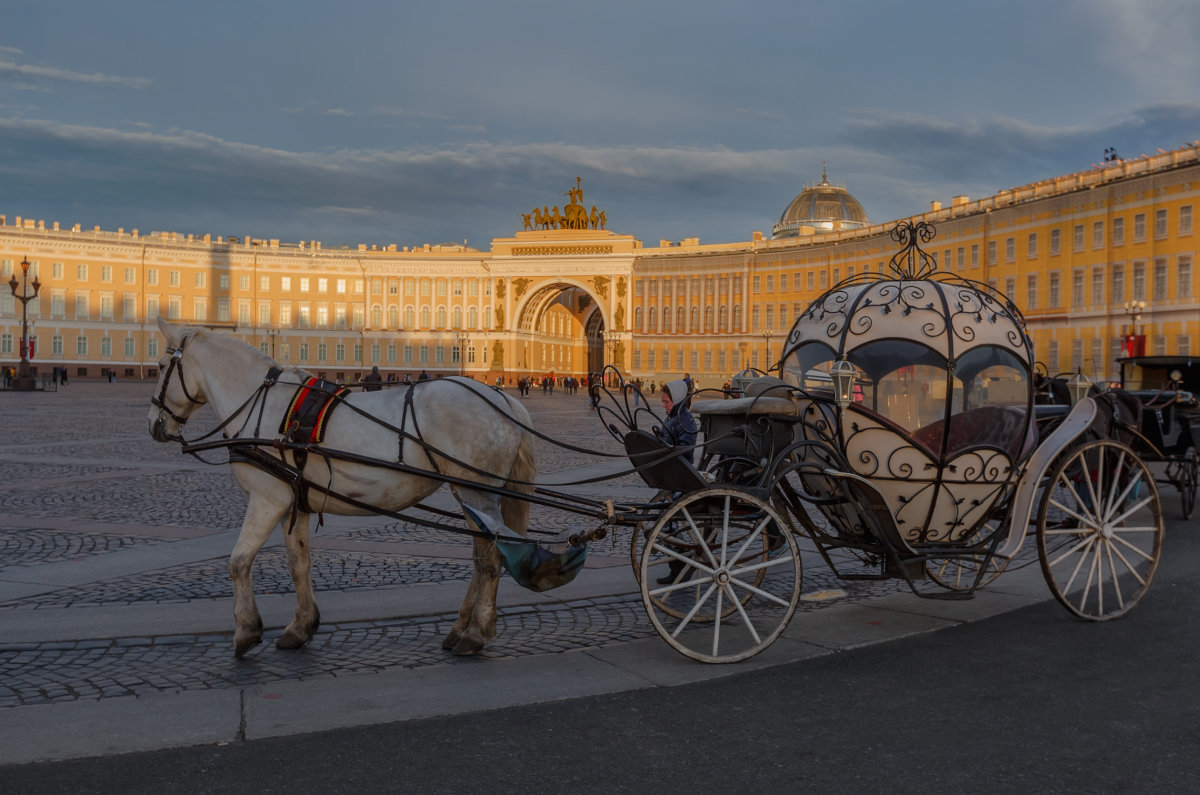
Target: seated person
[[679, 428]]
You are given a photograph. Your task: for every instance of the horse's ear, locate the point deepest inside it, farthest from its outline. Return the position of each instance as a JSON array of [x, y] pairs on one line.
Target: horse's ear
[[170, 331]]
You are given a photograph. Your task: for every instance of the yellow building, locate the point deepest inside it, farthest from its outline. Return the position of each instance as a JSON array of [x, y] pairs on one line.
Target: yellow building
[[566, 295]]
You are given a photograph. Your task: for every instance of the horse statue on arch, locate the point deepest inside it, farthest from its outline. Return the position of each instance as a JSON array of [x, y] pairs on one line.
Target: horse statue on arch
[[446, 431]]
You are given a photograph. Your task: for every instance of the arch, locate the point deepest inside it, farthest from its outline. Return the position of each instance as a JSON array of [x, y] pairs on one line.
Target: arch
[[393, 316], [528, 311], [376, 316]]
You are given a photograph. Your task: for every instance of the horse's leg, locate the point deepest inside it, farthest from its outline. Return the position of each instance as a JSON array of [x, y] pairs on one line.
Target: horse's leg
[[261, 517], [308, 618], [476, 623]]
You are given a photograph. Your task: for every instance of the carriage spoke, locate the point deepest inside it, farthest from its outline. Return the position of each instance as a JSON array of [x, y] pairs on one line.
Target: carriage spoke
[[1113, 570], [716, 639], [1117, 538], [687, 619], [1093, 570], [1111, 500], [758, 591], [745, 619], [1081, 549], [1133, 571]]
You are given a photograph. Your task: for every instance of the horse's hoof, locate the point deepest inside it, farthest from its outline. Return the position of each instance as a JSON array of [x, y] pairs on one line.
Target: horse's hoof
[[468, 646], [452, 640], [289, 640], [243, 645]]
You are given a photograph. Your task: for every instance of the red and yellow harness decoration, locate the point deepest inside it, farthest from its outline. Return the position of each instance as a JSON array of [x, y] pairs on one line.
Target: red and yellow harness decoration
[[306, 416]]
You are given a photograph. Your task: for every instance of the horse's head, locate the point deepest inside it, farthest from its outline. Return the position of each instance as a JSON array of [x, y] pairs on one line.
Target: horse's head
[[179, 392]]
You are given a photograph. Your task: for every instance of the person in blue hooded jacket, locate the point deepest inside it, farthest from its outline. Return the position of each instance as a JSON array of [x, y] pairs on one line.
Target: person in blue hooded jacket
[[679, 428]]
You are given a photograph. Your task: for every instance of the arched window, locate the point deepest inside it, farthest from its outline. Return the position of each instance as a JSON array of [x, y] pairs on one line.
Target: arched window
[[472, 318], [426, 317], [456, 317], [487, 317], [737, 317], [708, 318], [637, 318], [410, 317], [376, 316], [695, 320], [680, 320], [441, 315], [653, 324], [723, 319], [667, 314], [393, 316]]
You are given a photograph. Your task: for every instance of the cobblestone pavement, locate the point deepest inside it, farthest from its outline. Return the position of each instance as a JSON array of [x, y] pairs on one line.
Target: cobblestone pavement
[[85, 480]]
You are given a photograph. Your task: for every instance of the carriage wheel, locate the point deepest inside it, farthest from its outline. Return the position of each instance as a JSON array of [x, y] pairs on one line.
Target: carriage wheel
[[1100, 530], [1183, 473], [958, 574], [731, 596]]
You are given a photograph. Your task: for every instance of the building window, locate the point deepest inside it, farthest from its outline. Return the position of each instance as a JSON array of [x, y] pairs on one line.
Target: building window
[[1098, 234], [285, 284], [1185, 219], [1139, 281], [1032, 248], [1052, 357], [1097, 287], [1077, 287], [81, 346], [1160, 224], [1118, 232], [1010, 249], [991, 255], [1160, 280], [223, 281], [1055, 242], [81, 273], [1139, 227], [1031, 297], [975, 255], [200, 278], [1078, 237], [1054, 290], [1183, 275], [1118, 285]]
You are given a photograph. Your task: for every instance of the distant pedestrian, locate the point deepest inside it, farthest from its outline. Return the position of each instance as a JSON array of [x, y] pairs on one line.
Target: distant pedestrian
[[373, 381]]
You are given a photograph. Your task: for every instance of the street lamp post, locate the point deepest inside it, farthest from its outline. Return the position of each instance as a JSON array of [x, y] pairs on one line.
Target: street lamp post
[[1135, 341], [610, 337], [766, 335], [462, 336], [24, 381]]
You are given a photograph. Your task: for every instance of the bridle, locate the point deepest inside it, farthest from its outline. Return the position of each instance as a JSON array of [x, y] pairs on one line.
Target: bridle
[[159, 400]]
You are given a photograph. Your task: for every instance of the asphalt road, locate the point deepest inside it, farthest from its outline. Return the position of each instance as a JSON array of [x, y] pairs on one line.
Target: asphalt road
[[1032, 700]]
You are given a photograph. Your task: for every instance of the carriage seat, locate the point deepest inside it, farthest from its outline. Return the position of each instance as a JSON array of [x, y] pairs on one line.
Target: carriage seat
[[747, 406], [997, 426], [765, 395], [662, 470]]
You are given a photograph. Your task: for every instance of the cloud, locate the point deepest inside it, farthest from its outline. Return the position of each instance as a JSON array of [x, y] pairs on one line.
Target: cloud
[[10, 70], [191, 182]]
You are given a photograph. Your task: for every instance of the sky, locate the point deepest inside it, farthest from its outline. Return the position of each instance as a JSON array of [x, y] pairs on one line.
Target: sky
[[386, 122]]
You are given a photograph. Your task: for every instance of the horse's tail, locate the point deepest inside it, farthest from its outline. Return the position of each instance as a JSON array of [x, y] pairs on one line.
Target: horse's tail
[[513, 510]]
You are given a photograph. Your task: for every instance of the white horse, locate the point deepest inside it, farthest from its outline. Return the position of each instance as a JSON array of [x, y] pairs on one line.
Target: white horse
[[453, 417]]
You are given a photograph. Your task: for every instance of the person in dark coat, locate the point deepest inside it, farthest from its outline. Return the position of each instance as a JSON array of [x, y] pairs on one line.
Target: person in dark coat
[[373, 381], [679, 428]]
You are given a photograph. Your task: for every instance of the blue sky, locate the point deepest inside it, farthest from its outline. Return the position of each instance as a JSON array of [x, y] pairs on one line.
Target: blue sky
[[371, 121]]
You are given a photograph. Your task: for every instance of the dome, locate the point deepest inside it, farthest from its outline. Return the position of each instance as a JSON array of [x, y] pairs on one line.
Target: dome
[[823, 207]]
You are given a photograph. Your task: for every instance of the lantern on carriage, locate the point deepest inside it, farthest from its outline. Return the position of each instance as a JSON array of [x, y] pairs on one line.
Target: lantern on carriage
[[931, 382]]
